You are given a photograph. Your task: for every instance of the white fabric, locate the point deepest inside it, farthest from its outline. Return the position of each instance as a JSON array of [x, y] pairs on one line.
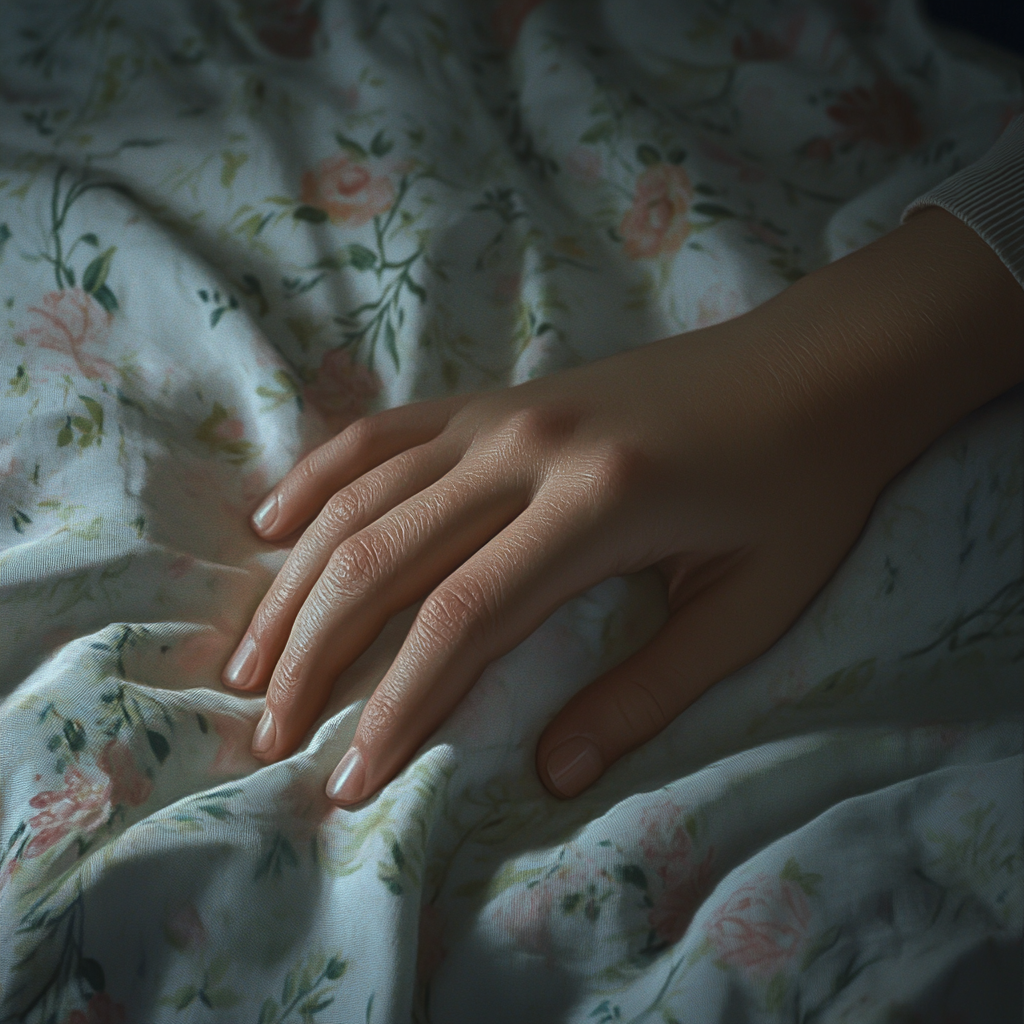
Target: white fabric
[[229, 228]]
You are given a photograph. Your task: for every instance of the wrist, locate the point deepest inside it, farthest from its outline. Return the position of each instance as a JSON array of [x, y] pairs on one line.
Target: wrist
[[872, 358]]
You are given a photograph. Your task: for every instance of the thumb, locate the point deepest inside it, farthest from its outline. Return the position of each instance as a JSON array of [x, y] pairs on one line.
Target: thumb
[[718, 631]]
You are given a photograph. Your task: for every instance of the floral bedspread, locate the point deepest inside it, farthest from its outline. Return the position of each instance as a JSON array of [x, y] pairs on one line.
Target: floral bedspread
[[226, 230]]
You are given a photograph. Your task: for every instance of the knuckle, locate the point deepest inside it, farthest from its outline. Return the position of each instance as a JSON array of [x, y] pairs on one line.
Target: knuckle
[[359, 436], [286, 682], [357, 564], [639, 709], [381, 712], [542, 425], [616, 471], [341, 510], [457, 612], [270, 612]]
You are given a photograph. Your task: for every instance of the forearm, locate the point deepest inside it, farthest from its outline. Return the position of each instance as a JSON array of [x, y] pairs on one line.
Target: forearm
[[881, 352]]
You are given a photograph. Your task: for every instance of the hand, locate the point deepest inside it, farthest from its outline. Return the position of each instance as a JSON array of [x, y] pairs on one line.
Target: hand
[[742, 460]]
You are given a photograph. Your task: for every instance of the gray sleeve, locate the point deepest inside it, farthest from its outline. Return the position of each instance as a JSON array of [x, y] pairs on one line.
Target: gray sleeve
[[988, 196]]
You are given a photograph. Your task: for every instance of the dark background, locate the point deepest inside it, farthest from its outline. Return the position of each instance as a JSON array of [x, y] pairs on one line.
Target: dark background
[[996, 21]]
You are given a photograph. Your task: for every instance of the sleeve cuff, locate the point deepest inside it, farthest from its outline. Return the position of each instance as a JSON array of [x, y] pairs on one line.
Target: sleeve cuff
[[988, 196]]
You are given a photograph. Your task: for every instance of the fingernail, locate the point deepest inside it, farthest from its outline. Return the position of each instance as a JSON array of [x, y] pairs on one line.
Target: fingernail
[[239, 670], [266, 733], [345, 786], [574, 765], [266, 515]]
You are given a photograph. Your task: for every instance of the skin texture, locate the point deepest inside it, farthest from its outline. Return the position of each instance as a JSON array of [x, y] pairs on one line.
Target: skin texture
[[742, 460]]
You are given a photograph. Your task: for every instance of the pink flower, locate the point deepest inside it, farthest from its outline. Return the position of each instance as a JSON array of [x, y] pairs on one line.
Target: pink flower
[[761, 925], [817, 149], [508, 19], [758, 45], [665, 841], [342, 390], [667, 847], [285, 27], [346, 191], [674, 909], [232, 429], [508, 287], [128, 785], [527, 919], [100, 1009], [656, 223], [583, 163], [184, 928], [66, 322], [430, 953], [83, 805], [883, 114]]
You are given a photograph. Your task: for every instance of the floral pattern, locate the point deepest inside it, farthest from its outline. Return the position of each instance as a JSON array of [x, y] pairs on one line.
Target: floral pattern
[[454, 202], [656, 223], [761, 926], [347, 191], [343, 389], [81, 806], [67, 321]]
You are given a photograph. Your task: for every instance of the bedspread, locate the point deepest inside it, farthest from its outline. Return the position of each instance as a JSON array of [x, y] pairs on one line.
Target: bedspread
[[227, 230]]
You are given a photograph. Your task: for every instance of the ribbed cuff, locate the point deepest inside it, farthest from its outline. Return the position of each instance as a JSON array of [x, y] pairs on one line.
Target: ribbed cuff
[[988, 196]]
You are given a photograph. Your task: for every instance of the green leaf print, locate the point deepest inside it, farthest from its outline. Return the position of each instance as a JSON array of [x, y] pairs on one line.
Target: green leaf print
[[286, 390], [712, 210], [647, 155], [230, 163], [309, 213], [807, 880], [361, 258], [18, 383], [305, 991], [381, 146], [350, 146], [214, 433], [158, 744], [95, 275]]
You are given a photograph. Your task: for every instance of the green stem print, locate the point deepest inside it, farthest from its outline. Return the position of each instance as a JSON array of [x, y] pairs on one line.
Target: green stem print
[[57, 253], [381, 318]]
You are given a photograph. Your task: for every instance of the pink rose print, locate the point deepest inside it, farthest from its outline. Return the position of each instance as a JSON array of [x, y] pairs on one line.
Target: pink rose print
[[342, 390], [883, 114], [761, 925], [286, 27], [679, 901], [656, 223], [128, 785], [758, 45], [508, 19], [584, 163], [346, 191], [66, 322], [527, 919], [81, 806], [100, 1009], [184, 928], [667, 848]]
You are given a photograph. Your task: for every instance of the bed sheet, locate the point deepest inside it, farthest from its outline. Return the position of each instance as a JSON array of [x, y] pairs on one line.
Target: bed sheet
[[228, 229]]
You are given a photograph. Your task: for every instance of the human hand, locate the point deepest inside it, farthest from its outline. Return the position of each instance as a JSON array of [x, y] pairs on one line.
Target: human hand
[[742, 460]]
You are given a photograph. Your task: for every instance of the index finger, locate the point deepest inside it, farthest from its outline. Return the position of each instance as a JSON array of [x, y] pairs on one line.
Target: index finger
[[304, 490]]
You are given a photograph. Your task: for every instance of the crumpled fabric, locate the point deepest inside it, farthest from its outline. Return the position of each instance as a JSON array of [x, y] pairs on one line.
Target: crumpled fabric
[[229, 229]]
